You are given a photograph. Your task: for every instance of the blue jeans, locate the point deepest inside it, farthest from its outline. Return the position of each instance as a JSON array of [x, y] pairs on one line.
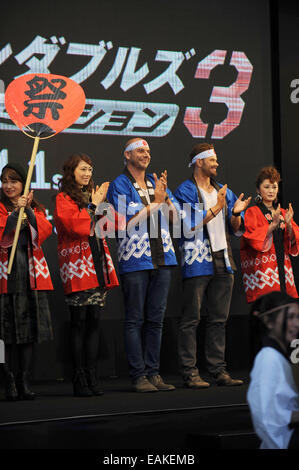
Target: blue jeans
[[145, 294]]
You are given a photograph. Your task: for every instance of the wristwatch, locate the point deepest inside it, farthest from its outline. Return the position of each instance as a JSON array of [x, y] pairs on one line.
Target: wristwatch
[[235, 214], [92, 206]]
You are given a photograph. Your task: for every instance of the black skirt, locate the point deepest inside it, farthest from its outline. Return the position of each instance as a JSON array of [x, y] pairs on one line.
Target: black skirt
[[95, 296], [24, 314]]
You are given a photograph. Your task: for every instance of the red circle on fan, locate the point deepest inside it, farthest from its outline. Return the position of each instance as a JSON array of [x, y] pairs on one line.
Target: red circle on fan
[[43, 104]]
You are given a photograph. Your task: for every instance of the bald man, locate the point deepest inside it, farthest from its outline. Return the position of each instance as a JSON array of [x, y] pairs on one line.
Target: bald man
[[146, 255]]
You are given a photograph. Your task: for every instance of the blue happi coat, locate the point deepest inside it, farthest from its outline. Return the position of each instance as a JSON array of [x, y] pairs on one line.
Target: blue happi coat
[[197, 259], [134, 250]]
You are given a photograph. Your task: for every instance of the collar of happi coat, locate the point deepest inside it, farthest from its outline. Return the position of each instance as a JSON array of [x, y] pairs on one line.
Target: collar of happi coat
[[149, 186]]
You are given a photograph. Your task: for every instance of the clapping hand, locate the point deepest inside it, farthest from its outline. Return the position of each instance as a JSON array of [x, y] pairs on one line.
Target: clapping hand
[[161, 185], [99, 194], [289, 214], [240, 204], [163, 178], [221, 196], [288, 217], [276, 216]]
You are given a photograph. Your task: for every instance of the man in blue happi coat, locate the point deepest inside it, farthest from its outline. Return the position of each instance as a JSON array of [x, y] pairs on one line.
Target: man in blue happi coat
[[212, 212], [145, 255]]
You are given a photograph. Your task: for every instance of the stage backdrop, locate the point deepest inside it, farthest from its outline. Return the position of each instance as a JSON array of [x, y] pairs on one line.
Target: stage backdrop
[[288, 27], [174, 72]]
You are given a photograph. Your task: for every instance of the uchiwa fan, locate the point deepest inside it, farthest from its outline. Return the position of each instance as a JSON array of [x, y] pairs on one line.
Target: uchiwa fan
[[41, 105]]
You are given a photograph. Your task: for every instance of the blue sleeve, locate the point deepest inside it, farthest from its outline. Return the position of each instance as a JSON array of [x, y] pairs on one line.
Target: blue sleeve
[[192, 212], [123, 199], [174, 201]]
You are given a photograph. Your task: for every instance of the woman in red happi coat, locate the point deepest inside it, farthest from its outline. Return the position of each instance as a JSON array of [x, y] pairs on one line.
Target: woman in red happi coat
[[24, 310], [270, 237], [86, 267]]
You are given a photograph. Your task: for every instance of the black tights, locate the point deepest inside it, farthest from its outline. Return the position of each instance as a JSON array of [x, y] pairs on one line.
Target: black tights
[[24, 351], [84, 318]]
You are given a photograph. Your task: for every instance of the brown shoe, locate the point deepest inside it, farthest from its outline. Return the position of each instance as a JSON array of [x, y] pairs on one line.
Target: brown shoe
[[159, 383], [195, 381], [142, 385], [225, 379]]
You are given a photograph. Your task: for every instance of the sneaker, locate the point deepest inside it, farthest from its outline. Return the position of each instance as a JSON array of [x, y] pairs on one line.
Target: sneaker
[[142, 385], [223, 378], [195, 381], [159, 383]]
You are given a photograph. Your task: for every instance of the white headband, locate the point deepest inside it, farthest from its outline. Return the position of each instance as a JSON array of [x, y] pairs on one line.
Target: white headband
[[201, 155], [136, 145]]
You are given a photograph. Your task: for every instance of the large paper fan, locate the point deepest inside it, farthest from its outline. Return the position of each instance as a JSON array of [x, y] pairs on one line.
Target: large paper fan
[[42, 105]]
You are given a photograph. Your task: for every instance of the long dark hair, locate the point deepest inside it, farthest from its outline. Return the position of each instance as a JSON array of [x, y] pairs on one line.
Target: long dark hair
[[68, 184], [14, 175]]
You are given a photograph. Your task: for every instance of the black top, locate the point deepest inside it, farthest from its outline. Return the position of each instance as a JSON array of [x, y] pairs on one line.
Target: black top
[[20, 267], [278, 240]]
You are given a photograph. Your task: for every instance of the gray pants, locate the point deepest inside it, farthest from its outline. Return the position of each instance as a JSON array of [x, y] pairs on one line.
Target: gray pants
[[218, 290]]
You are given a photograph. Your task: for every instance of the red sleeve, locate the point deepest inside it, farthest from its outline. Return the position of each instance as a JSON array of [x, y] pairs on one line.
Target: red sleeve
[[74, 221], [3, 219], [44, 227], [293, 249], [256, 227]]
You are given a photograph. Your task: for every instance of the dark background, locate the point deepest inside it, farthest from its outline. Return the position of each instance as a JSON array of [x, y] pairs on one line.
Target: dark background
[[288, 72], [259, 29]]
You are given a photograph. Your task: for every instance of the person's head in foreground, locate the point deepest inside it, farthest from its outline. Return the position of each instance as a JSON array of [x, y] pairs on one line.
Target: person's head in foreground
[[278, 319]]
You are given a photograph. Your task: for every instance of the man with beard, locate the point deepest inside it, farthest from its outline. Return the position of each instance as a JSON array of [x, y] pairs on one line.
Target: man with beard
[[212, 212], [145, 255]]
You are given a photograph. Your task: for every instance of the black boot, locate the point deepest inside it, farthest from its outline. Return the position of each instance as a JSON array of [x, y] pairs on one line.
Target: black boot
[[92, 382], [80, 384], [23, 387], [10, 388]]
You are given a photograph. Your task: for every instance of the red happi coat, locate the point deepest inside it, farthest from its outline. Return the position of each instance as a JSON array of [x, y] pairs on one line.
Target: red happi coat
[[258, 256], [40, 278], [76, 264]]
